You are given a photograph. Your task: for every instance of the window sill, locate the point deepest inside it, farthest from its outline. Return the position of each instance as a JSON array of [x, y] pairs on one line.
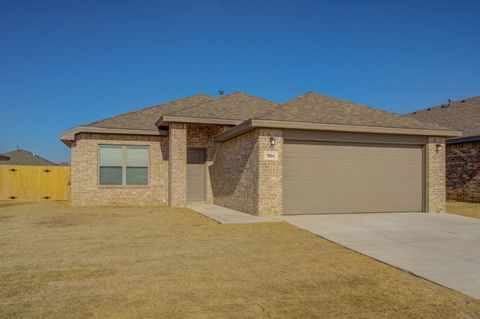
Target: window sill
[[123, 186]]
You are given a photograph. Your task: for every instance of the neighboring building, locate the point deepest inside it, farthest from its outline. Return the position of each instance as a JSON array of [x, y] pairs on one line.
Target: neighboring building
[[313, 154], [63, 164], [463, 154], [4, 158], [23, 157]]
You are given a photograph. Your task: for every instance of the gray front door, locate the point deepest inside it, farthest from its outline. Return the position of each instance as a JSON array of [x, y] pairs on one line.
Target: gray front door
[[195, 175]]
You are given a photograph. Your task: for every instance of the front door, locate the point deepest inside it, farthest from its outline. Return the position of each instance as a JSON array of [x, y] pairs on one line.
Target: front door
[[195, 175]]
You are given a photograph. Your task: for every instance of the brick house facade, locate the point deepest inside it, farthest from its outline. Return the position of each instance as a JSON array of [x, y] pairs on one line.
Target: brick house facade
[[243, 167], [463, 171]]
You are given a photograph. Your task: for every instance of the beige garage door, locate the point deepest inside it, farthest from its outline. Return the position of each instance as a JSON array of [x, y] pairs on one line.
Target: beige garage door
[[352, 178]]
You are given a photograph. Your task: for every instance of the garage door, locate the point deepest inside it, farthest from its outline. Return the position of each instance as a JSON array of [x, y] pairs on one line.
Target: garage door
[[352, 178]]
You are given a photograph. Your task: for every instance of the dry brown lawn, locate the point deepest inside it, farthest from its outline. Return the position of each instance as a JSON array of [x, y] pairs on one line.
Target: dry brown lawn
[[64, 262], [463, 208]]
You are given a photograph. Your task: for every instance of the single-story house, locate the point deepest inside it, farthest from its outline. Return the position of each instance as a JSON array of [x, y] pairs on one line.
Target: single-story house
[[24, 157], [463, 154], [313, 154]]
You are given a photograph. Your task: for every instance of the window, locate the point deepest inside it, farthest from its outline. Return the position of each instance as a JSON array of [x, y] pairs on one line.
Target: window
[[123, 165]]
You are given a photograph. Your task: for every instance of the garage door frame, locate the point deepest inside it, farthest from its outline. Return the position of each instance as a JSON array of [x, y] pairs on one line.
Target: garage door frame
[[362, 138]]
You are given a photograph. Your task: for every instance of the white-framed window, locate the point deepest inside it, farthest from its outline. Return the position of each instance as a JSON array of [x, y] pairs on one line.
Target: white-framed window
[[123, 165]]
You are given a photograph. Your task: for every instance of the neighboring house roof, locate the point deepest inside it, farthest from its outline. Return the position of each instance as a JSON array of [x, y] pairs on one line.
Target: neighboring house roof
[[234, 108], [461, 115], [23, 157]]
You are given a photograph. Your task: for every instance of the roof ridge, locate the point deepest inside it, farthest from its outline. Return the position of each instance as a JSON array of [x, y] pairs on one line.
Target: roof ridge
[[223, 97], [148, 107]]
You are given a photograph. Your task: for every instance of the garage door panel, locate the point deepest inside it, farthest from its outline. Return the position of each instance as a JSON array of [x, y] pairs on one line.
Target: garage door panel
[[346, 178]]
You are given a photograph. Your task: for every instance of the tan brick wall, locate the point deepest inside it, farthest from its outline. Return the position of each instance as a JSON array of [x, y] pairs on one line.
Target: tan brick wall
[[84, 172], [85, 188], [234, 173], [177, 169], [435, 177], [243, 180], [270, 174], [463, 171]]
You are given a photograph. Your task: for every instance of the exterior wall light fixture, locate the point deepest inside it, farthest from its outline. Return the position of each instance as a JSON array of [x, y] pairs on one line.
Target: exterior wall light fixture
[[439, 147], [272, 141]]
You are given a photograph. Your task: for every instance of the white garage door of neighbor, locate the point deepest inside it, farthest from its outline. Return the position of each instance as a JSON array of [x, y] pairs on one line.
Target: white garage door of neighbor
[[321, 177]]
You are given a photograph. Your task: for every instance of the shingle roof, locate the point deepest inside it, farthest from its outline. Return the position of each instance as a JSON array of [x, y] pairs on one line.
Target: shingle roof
[[23, 157], [145, 119], [461, 115], [235, 106], [315, 108]]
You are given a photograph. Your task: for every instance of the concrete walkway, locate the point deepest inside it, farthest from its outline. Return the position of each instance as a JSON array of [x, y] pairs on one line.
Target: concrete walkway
[[442, 248], [225, 215]]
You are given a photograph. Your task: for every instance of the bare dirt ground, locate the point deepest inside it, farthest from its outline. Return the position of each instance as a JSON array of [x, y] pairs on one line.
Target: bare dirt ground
[[463, 208], [110, 262]]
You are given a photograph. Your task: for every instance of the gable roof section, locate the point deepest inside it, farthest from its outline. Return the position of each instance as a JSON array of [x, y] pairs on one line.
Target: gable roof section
[[23, 157], [459, 115], [318, 112], [316, 108], [145, 119], [139, 122], [230, 109]]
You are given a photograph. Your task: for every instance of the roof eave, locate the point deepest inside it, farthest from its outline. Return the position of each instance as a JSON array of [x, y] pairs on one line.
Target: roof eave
[[69, 136], [466, 139], [251, 124], [165, 120]]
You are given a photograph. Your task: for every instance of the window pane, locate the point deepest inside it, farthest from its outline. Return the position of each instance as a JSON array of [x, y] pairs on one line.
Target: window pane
[[137, 175], [137, 156], [110, 176], [110, 156]]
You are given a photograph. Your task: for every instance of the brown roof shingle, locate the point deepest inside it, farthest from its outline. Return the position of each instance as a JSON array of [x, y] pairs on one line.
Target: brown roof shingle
[[463, 115], [235, 106], [315, 108], [145, 119]]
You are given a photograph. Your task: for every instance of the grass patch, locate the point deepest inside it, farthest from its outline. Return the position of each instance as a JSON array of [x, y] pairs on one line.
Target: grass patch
[[463, 208], [107, 262]]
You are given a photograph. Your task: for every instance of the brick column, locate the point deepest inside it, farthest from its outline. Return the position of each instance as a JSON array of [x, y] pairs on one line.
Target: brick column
[[270, 173], [177, 164], [435, 175]]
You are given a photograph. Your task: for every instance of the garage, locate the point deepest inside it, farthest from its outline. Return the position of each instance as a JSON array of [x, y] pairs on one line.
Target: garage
[[352, 177]]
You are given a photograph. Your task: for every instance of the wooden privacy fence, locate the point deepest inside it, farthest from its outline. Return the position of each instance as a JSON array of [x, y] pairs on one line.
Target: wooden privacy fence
[[34, 183]]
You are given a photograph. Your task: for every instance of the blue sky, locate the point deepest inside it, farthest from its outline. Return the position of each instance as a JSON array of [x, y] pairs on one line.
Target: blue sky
[[66, 63]]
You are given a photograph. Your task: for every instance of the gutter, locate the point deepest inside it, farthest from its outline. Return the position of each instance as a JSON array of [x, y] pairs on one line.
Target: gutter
[[68, 137], [252, 124], [466, 139], [167, 119]]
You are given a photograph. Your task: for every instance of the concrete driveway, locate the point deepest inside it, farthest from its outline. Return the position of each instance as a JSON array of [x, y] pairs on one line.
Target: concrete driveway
[[442, 248]]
